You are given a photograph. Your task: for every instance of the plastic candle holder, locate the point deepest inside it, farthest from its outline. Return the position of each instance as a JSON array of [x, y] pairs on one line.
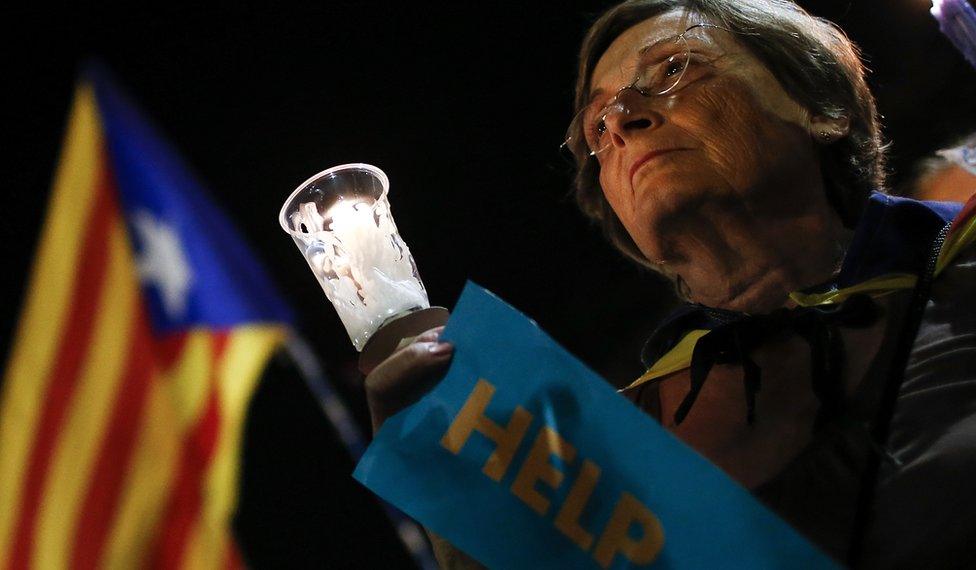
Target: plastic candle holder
[[341, 222]]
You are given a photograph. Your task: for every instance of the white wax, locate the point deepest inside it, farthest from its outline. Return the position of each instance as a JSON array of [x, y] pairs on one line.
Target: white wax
[[363, 265]]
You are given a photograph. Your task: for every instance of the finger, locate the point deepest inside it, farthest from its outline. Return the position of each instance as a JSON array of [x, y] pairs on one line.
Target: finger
[[404, 378], [399, 375], [432, 335]]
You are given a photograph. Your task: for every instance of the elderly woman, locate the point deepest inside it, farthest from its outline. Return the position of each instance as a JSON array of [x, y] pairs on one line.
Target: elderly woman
[[734, 147]]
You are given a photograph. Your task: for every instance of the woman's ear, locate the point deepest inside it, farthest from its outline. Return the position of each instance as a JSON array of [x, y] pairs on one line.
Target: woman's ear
[[826, 130]]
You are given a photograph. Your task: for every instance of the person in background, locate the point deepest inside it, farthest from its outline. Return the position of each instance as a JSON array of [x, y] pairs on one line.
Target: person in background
[[949, 176], [733, 146]]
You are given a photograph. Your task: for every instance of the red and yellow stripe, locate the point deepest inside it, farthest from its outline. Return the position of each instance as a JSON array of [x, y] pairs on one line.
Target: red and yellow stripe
[[118, 449]]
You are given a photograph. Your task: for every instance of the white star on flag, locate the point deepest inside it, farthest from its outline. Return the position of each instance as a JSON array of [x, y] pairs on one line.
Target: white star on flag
[[162, 263]]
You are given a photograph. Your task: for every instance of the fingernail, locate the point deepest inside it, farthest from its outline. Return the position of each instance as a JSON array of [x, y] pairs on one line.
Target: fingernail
[[441, 348], [429, 336]]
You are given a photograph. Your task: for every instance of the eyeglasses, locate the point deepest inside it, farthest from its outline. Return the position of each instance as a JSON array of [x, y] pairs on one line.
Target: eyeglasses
[[662, 68]]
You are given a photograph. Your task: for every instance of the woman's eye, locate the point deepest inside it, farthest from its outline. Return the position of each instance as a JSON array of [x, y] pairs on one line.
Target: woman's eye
[[600, 128], [597, 129], [679, 72], [673, 67]]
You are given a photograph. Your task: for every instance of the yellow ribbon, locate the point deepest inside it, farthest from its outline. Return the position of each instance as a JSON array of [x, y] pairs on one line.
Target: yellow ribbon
[[679, 357]]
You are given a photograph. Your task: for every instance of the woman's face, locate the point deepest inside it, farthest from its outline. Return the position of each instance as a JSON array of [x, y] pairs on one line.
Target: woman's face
[[711, 177]]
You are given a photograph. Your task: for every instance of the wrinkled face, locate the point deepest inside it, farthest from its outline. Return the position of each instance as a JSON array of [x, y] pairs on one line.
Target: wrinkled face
[[728, 136]]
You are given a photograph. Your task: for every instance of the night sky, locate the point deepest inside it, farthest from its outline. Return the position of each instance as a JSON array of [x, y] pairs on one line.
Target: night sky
[[464, 106]]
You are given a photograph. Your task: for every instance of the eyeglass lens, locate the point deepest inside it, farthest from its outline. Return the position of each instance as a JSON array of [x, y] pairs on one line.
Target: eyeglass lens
[[660, 68]]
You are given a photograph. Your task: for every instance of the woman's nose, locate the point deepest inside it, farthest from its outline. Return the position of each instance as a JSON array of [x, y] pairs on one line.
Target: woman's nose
[[630, 116]]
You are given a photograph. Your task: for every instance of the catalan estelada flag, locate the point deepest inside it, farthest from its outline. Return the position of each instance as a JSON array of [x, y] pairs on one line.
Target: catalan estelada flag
[[145, 328]]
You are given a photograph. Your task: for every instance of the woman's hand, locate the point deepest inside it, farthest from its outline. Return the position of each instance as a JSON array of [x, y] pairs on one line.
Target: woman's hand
[[401, 380], [406, 375]]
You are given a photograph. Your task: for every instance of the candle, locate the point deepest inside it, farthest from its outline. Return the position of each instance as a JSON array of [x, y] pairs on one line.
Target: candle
[[344, 229]]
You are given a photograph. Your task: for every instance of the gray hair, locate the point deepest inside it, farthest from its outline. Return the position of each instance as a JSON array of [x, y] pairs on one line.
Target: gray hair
[[813, 60]]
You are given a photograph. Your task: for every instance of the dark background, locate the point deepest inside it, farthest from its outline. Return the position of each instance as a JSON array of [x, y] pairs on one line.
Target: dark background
[[464, 107]]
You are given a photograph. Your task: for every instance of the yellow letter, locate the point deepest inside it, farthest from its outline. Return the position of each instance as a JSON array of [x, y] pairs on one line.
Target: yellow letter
[[567, 520], [536, 466], [472, 417], [616, 536]]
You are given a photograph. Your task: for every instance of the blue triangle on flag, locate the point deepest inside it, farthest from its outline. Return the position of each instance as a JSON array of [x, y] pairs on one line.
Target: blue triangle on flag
[[195, 267]]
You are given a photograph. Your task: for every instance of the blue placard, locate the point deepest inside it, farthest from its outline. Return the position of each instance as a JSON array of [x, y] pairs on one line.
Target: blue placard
[[525, 458]]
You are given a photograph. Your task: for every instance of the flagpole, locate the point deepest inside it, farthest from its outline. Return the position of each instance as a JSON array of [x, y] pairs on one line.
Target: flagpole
[[410, 533]]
